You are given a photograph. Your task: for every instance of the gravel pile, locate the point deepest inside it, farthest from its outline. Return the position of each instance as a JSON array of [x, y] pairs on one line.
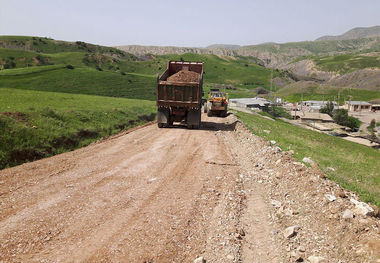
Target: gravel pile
[[184, 76]]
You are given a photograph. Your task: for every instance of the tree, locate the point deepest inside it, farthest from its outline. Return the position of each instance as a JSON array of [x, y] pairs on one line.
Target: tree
[[328, 109], [353, 122], [341, 117]]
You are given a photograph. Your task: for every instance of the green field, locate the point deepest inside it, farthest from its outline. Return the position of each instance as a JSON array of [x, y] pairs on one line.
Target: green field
[[85, 80], [356, 166], [36, 124]]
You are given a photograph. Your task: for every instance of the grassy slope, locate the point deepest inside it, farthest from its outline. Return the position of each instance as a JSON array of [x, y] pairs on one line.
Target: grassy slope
[[35, 124], [356, 166], [294, 93]]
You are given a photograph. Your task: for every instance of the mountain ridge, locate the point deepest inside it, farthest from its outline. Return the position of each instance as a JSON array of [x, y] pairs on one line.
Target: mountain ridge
[[355, 33]]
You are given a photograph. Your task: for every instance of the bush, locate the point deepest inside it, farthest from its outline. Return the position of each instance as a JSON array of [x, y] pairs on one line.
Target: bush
[[123, 73], [99, 68], [70, 66]]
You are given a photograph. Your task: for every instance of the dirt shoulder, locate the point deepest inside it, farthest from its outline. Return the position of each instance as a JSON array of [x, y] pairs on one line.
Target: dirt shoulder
[[174, 195]]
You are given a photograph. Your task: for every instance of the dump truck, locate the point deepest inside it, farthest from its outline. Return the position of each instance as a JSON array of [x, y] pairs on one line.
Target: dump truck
[[179, 94], [217, 103]]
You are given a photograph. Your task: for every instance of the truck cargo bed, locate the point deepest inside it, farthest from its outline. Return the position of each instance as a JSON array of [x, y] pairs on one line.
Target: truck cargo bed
[[180, 100]]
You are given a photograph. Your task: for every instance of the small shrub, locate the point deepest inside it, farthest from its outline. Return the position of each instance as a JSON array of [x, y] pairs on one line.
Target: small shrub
[[99, 68], [372, 123], [69, 66], [123, 73]]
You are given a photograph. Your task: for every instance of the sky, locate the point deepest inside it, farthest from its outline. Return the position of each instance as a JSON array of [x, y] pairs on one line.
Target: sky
[[190, 23]]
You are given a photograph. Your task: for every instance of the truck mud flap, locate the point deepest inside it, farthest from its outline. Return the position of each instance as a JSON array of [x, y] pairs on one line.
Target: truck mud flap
[[163, 117], [194, 119]]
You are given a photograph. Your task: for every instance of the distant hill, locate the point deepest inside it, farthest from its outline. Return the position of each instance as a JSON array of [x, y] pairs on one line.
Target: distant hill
[[268, 54], [142, 51], [225, 46], [355, 33]]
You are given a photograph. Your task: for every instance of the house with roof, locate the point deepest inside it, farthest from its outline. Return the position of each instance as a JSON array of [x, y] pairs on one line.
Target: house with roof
[[252, 103], [315, 117], [305, 116], [316, 105], [357, 106]]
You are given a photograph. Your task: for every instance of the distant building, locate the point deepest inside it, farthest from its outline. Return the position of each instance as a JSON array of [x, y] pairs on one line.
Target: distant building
[[357, 106], [311, 116], [375, 107], [252, 103], [316, 105]]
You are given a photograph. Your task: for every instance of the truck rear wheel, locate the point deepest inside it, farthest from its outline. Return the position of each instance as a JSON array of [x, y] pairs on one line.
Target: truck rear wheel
[[163, 117], [194, 119]]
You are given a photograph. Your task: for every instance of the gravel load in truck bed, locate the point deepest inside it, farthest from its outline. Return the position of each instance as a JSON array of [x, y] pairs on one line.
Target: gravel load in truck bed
[[184, 76]]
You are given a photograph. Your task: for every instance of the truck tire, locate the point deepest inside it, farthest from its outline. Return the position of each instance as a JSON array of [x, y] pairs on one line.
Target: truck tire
[[194, 119], [209, 111], [163, 117]]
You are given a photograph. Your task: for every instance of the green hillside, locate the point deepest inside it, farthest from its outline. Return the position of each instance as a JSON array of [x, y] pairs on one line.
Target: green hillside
[[347, 63], [297, 49], [314, 91], [22, 52], [35, 124], [83, 80], [48, 45]]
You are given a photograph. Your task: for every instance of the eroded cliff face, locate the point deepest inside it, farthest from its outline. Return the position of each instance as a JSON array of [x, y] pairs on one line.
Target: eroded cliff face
[[157, 50], [307, 70]]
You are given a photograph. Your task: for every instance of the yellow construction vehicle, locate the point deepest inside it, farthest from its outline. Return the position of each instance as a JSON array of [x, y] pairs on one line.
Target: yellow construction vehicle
[[216, 103]]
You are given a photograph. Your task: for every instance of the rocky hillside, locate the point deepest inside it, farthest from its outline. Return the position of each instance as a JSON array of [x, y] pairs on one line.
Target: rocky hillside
[[269, 54], [142, 51], [355, 33]]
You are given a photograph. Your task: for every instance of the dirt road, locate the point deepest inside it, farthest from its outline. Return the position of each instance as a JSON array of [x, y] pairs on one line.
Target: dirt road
[[155, 195]]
